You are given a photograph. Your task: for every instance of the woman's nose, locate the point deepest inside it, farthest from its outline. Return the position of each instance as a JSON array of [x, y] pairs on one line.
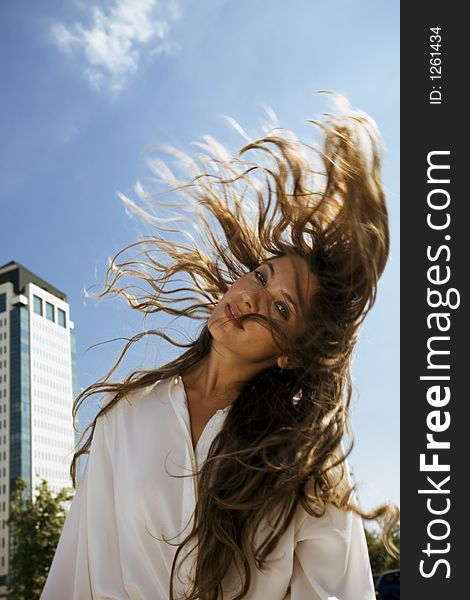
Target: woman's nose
[[254, 301]]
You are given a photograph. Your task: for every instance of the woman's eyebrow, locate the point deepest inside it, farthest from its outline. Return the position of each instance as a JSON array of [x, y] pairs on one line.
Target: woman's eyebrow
[[288, 296]]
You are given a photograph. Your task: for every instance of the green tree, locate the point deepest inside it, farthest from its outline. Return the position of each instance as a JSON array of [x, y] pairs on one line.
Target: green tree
[[380, 559], [35, 526]]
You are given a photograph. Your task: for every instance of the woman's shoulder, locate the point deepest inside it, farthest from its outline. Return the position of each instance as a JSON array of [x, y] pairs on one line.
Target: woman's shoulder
[[116, 401], [135, 396], [132, 403], [136, 411]]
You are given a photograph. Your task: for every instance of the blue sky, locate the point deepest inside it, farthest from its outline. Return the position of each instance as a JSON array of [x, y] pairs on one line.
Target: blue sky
[[88, 87]]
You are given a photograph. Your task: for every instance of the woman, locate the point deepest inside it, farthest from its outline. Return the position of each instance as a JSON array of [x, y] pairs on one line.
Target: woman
[[222, 474]]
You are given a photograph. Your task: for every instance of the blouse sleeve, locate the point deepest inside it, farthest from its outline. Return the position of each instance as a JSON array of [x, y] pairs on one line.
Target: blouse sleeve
[[61, 572], [88, 543], [331, 560]]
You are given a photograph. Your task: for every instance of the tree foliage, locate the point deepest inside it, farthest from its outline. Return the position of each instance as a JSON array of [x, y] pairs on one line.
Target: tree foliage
[[35, 526], [380, 559]]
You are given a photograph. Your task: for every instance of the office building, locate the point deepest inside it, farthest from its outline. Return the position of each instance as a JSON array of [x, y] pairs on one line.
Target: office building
[[37, 387]]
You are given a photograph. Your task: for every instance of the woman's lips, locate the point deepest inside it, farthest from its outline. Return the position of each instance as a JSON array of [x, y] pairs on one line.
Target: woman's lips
[[233, 313]]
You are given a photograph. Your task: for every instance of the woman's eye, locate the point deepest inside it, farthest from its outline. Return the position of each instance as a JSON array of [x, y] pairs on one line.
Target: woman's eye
[[282, 309], [280, 306], [260, 277]]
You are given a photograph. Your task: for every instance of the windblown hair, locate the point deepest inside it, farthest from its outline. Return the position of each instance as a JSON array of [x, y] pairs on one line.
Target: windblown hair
[[280, 445]]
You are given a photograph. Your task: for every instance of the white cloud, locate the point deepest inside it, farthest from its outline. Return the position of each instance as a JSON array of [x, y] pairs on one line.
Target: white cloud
[[112, 45]]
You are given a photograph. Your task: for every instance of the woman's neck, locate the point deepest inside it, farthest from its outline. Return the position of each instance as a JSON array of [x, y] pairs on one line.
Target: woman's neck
[[218, 378]]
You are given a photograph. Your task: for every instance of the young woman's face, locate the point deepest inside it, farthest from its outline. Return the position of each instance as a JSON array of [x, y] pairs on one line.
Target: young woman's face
[[271, 291]]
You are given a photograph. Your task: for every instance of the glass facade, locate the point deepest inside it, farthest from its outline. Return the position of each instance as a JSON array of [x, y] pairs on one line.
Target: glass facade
[[20, 408], [37, 302], [61, 317], [50, 311]]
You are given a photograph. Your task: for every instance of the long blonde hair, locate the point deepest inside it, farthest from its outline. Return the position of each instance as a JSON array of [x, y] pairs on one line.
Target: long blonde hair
[[327, 206]]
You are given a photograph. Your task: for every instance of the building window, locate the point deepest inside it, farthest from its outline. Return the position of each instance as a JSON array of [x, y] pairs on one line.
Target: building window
[[37, 303], [49, 311], [61, 317], [3, 303]]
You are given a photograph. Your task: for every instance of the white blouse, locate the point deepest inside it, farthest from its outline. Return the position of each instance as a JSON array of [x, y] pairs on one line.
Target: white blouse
[[128, 499]]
